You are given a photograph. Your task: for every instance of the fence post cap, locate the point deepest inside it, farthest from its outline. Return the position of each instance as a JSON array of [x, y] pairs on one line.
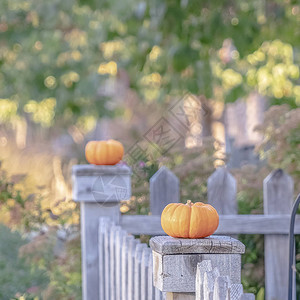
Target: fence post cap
[[210, 245], [93, 170]]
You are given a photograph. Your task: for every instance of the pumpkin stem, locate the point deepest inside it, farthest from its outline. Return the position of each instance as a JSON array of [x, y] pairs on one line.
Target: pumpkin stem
[[189, 203]]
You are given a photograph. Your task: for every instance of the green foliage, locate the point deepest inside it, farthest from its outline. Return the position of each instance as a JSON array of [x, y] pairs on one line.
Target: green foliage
[[55, 55], [15, 209], [280, 146], [270, 70], [63, 270], [8, 191], [17, 276], [65, 273]]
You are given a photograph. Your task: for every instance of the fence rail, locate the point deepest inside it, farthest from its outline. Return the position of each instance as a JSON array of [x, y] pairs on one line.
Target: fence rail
[[229, 224]]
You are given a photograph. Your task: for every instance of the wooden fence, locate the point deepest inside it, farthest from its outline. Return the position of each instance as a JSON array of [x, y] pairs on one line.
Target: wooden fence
[[164, 188], [126, 270]]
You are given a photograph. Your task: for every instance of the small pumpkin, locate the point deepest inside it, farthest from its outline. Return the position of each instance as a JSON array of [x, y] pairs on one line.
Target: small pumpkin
[[190, 220], [104, 152]]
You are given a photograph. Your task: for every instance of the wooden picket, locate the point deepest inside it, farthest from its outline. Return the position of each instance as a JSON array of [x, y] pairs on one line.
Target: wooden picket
[[144, 273], [125, 250], [151, 288]]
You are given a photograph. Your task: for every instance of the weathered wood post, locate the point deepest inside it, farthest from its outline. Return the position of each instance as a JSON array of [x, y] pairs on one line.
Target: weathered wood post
[[99, 189], [278, 200], [175, 262]]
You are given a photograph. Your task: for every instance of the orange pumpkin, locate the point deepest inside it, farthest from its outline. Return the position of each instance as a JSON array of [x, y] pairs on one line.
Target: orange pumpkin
[[104, 152], [190, 220]]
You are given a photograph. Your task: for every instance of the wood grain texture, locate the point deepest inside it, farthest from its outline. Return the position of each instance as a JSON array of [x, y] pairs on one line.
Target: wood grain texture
[[278, 199], [213, 244], [177, 273], [229, 224], [221, 192], [164, 189], [157, 270], [93, 170]]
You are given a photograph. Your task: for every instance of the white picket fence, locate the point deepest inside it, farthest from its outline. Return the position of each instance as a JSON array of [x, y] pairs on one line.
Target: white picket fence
[[125, 268]]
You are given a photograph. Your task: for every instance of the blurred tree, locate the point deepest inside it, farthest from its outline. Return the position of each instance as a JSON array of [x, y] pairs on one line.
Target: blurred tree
[[57, 57]]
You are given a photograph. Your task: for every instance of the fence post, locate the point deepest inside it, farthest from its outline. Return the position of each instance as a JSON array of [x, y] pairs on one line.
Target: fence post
[[221, 192], [164, 189], [99, 189], [175, 262], [278, 200]]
